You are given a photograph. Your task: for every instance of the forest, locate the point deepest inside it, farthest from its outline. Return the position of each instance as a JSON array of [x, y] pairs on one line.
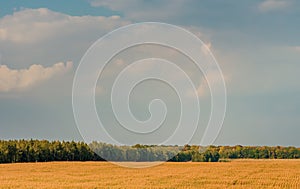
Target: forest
[[14, 151]]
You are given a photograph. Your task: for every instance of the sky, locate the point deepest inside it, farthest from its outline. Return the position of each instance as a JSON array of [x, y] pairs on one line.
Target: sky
[[256, 43]]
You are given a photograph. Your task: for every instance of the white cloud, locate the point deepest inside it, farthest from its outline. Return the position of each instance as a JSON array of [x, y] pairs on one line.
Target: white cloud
[[297, 48], [16, 80], [293, 49], [206, 48], [114, 5], [143, 10], [44, 36], [270, 5], [203, 89], [32, 25]]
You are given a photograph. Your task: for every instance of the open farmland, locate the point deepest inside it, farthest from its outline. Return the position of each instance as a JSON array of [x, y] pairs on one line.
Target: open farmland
[[234, 174]]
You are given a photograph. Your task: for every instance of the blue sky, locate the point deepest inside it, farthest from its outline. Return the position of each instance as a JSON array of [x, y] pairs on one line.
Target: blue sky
[[256, 43]]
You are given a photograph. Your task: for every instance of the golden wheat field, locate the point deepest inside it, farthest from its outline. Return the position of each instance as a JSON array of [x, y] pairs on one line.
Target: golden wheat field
[[234, 174]]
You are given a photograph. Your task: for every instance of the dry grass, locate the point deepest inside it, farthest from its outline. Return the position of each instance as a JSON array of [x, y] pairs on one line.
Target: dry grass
[[235, 174]]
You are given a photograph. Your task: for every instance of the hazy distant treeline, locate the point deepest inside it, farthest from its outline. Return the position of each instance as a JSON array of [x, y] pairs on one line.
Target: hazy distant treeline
[[43, 150]]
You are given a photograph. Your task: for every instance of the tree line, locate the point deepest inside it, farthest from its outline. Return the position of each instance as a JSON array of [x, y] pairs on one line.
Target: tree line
[[42, 151], [214, 153]]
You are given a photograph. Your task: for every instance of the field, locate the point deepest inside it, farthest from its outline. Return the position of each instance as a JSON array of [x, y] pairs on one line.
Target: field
[[234, 174]]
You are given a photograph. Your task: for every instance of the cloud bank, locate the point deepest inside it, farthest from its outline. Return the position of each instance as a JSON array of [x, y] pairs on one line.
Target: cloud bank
[[22, 79], [34, 25]]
